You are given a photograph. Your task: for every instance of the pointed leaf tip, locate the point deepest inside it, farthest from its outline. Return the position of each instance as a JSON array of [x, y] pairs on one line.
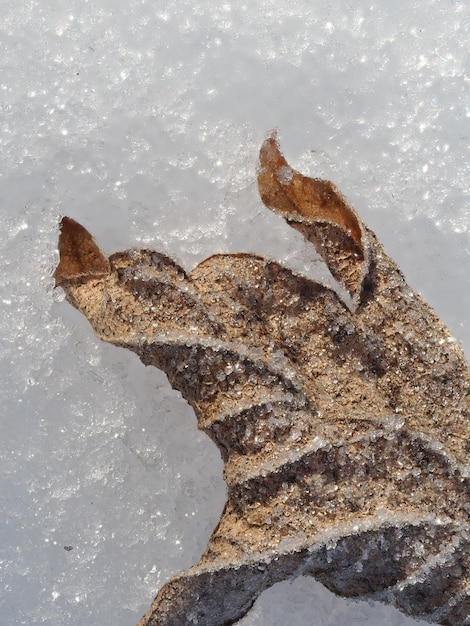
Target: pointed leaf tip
[[298, 197], [80, 257], [317, 209]]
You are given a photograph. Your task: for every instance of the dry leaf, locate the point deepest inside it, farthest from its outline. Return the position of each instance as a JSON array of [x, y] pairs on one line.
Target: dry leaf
[[344, 432]]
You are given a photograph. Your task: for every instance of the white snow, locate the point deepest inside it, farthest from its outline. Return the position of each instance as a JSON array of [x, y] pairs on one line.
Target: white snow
[[142, 120]]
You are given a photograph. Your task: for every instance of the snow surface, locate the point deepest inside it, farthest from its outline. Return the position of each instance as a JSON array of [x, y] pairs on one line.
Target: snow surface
[[143, 121]]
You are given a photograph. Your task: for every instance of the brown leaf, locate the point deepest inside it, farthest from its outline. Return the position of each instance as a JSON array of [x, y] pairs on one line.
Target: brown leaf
[[345, 433]]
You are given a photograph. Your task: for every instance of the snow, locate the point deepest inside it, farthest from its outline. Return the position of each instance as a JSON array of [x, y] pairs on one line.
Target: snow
[[143, 121]]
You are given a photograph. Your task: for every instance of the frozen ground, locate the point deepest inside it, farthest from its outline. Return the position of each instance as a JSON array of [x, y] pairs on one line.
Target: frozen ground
[[142, 120]]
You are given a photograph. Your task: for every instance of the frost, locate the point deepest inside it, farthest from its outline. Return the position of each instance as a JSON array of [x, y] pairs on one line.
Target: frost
[[355, 123]]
